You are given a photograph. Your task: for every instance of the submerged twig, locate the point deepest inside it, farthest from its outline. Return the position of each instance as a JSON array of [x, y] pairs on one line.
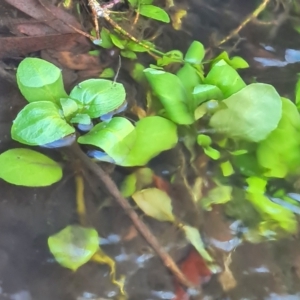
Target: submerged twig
[[248, 19], [143, 229]]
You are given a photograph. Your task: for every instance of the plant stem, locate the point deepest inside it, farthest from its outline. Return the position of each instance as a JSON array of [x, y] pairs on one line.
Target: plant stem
[[142, 228], [248, 19]]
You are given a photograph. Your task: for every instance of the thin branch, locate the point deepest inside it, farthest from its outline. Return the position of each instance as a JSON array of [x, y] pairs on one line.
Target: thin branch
[[252, 16], [142, 228]]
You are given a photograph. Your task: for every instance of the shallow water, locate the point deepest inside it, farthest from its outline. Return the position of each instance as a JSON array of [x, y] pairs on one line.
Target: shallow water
[[267, 270]]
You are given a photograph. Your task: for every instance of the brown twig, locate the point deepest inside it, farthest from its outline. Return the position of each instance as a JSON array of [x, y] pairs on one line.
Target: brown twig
[[143, 229], [66, 23], [248, 19]]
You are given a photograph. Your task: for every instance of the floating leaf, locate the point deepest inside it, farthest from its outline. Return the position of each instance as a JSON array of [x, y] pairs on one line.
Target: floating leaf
[[171, 94], [98, 96], [39, 80], [28, 168], [154, 12], [195, 53], [250, 114], [155, 203], [74, 246], [225, 78], [193, 236], [40, 123]]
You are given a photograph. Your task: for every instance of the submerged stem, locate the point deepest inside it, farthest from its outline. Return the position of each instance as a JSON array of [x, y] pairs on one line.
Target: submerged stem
[[142, 228]]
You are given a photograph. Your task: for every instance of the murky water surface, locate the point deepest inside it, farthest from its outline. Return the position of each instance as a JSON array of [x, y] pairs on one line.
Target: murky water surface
[[267, 270]]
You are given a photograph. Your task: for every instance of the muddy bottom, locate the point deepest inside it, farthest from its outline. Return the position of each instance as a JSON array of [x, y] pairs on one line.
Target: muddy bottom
[[28, 216]]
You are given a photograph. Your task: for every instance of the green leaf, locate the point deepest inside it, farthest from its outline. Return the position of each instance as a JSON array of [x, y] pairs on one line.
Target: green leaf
[[98, 96], [107, 73], [227, 168], [171, 94], [128, 54], [136, 181], [225, 78], [83, 119], [192, 234], [117, 41], [154, 12], [135, 47], [170, 57], [74, 246], [236, 62], [250, 114], [212, 153], [40, 123], [155, 203], [115, 137], [105, 41], [279, 154], [69, 106], [282, 217], [28, 168], [203, 140], [148, 130], [39, 80], [204, 92], [218, 195], [189, 77], [137, 72], [297, 93], [195, 53], [130, 146]]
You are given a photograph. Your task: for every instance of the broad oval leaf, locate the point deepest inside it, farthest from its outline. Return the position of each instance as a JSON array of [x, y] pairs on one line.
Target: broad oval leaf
[[132, 146], [154, 12], [225, 77], [39, 80], [74, 246], [195, 53], [98, 96], [250, 114], [155, 203], [115, 137], [28, 168], [279, 154], [171, 94], [40, 123], [154, 134]]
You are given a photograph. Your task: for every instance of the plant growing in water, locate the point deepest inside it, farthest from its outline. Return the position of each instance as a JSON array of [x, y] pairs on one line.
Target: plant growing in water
[[241, 127]]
